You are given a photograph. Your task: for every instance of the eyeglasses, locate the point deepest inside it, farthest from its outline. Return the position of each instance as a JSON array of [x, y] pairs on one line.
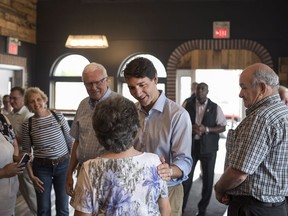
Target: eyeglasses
[[97, 83]]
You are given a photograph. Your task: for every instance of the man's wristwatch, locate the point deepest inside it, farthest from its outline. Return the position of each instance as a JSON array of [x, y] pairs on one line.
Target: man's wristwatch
[[206, 130]]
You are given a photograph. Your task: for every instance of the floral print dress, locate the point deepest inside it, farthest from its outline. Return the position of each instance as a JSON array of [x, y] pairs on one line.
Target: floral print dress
[[127, 186]]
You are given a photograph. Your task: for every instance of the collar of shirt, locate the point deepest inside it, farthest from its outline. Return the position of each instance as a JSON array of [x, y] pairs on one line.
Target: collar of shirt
[[159, 104], [93, 103], [267, 100], [198, 104], [21, 111]]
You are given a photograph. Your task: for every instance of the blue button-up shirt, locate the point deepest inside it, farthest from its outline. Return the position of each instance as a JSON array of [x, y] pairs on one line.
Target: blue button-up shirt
[[167, 131]]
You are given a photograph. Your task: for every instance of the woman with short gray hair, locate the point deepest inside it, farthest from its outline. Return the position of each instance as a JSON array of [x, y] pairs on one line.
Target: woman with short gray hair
[[122, 181]]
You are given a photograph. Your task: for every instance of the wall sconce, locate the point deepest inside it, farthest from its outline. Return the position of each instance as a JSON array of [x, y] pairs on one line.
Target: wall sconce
[[87, 41]]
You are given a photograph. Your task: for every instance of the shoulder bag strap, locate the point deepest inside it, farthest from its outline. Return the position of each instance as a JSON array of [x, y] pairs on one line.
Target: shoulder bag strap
[[30, 128], [61, 126], [58, 120]]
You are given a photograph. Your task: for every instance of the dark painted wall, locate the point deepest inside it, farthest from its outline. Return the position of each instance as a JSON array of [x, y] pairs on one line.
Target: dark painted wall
[[157, 28]]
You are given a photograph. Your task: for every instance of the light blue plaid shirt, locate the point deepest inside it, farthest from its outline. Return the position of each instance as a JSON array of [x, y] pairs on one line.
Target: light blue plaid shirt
[[82, 130]]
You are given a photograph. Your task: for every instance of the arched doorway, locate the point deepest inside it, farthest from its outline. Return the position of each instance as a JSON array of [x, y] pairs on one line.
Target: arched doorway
[[212, 54], [238, 54]]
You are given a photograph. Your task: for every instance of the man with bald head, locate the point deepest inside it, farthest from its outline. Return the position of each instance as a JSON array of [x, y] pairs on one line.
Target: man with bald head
[[255, 180], [86, 146]]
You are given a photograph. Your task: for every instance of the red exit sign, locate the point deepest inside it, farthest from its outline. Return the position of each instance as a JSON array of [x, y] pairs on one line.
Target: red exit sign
[[221, 30], [12, 45]]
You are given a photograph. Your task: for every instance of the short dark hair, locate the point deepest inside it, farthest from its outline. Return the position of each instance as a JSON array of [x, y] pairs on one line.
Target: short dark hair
[[19, 89], [116, 122], [140, 67]]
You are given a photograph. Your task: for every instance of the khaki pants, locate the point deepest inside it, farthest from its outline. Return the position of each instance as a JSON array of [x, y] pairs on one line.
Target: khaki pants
[[176, 194]]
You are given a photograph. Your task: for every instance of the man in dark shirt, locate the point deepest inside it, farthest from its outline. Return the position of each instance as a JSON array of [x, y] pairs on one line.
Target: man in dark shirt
[[208, 121]]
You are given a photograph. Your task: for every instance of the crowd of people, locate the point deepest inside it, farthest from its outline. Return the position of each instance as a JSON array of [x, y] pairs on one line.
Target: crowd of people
[[139, 158]]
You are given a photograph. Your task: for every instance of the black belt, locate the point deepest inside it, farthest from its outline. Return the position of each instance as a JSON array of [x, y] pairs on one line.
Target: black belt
[[48, 161], [252, 201]]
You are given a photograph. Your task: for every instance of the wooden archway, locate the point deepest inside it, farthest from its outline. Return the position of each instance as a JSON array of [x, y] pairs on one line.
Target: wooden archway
[[259, 54]]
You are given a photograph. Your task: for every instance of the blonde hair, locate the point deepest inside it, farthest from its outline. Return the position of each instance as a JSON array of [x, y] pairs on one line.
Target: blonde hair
[[34, 90]]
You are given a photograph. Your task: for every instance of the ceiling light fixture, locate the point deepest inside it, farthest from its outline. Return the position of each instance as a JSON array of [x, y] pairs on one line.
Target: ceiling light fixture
[[87, 41]]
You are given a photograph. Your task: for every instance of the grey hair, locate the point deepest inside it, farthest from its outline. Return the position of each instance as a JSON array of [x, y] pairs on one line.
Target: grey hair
[[116, 122], [265, 74], [93, 66]]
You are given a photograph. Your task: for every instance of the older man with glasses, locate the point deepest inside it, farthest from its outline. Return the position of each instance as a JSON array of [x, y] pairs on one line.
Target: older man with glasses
[[86, 146]]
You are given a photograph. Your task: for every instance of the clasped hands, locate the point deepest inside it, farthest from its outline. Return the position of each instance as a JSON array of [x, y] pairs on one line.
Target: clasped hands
[[198, 129]]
